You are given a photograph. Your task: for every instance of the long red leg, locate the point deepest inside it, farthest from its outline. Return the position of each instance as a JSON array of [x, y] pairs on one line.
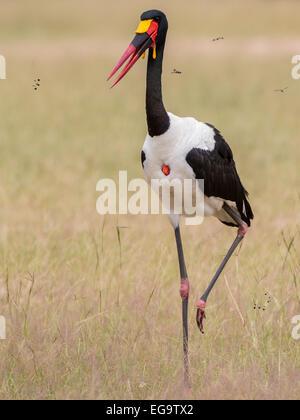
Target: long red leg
[[242, 230], [184, 292]]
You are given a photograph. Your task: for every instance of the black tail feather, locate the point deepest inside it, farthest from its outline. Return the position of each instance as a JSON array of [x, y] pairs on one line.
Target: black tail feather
[[247, 215], [243, 204]]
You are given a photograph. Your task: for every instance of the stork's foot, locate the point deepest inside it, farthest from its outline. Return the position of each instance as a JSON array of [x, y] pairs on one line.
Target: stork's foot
[[184, 288], [201, 314]]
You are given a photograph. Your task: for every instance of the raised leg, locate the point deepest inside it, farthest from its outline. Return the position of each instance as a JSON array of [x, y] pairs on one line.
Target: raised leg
[[242, 230], [184, 293]]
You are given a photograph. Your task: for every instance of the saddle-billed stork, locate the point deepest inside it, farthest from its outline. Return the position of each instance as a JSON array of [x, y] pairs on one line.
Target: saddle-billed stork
[[184, 148]]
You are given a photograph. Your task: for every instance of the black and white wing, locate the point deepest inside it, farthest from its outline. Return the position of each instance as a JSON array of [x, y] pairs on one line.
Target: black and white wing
[[221, 179]]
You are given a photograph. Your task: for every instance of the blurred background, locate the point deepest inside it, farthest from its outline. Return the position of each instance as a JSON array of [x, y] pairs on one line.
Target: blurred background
[[92, 303]]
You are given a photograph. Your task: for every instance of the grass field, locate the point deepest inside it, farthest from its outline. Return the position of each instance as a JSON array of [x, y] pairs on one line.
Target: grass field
[[92, 316]]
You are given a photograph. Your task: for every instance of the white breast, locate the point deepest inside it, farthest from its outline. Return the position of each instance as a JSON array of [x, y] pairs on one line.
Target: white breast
[[171, 149]]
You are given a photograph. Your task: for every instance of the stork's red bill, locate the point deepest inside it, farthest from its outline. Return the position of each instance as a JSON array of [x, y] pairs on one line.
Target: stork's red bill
[[146, 34]]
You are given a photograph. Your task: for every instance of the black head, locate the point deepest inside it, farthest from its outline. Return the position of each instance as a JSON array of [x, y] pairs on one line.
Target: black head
[[151, 33], [162, 21]]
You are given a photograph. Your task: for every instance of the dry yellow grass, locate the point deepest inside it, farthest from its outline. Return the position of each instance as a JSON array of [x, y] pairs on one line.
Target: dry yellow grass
[[86, 321]]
